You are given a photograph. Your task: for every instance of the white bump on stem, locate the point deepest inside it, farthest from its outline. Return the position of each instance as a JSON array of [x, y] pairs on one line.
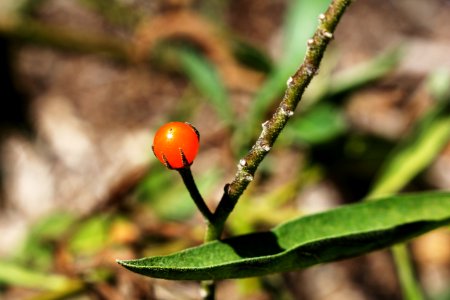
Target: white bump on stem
[[264, 127], [322, 17], [309, 69], [289, 81], [286, 112], [265, 147], [262, 146], [243, 162], [327, 34], [248, 177]]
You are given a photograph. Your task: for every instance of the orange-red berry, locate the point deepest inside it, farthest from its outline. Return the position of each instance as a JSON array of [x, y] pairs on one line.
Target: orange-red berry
[[176, 144]]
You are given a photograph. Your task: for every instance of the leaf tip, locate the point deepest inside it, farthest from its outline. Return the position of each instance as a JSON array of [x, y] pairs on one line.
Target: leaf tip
[[122, 262]]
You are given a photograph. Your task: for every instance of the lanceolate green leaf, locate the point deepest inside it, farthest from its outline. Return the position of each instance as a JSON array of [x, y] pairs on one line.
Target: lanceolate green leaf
[[337, 234]]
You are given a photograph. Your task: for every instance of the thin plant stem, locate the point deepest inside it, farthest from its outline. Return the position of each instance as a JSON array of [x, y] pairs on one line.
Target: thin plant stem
[[408, 282], [208, 287], [189, 182]]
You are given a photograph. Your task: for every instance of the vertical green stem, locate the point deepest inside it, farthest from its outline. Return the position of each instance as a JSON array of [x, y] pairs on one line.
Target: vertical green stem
[[208, 287], [408, 282], [213, 232]]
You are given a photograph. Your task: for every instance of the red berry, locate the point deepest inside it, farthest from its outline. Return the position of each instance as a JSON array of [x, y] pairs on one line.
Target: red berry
[[176, 144]]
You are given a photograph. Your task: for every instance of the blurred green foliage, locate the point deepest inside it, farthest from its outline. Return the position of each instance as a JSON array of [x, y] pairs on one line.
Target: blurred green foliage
[[418, 149], [39, 247]]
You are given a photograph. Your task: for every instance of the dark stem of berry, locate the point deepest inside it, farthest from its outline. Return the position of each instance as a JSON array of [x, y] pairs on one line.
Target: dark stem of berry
[[189, 182]]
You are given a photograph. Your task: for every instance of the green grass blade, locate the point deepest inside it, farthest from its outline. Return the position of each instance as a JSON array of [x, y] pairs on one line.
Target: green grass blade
[[208, 82], [250, 56], [364, 73], [17, 275], [408, 161], [333, 235], [418, 150]]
